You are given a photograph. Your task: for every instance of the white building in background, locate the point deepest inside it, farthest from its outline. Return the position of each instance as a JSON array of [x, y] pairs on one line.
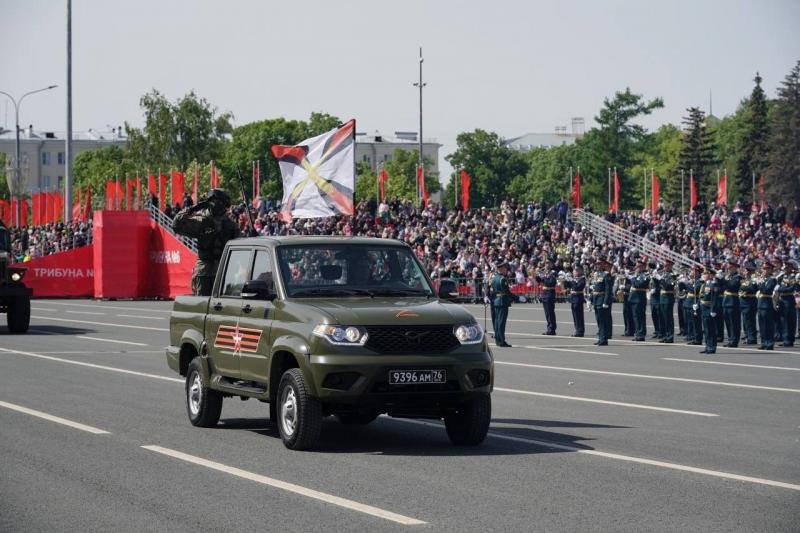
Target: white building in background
[[375, 148], [559, 137], [43, 153]]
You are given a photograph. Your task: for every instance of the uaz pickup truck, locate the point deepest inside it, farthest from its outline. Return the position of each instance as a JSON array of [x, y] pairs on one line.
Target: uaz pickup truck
[[321, 326]]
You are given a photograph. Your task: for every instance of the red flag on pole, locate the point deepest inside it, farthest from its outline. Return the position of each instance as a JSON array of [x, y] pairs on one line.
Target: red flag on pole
[[654, 198], [76, 206], [576, 192], [42, 208], [51, 208], [616, 192], [722, 191], [13, 217], [194, 185], [214, 177], [761, 192], [23, 213], [178, 187], [128, 195], [87, 207], [464, 190], [383, 177], [692, 193], [119, 195], [35, 204], [421, 182], [152, 188], [162, 191], [59, 207], [256, 183]]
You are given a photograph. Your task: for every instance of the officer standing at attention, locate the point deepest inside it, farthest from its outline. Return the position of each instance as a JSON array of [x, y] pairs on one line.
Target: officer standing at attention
[[208, 222], [787, 288], [624, 282], [696, 314], [500, 303], [576, 287], [680, 296], [766, 310], [549, 279], [638, 300], [602, 294], [748, 303], [667, 303], [708, 310], [686, 299], [655, 301], [731, 307]]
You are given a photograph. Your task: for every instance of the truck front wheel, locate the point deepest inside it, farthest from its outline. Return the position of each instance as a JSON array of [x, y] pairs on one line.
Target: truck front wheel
[[19, 314], [299, 414], [469, 424], [203, 404]]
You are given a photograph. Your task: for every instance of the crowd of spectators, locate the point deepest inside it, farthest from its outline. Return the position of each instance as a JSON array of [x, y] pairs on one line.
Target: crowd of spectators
[[37, 241]]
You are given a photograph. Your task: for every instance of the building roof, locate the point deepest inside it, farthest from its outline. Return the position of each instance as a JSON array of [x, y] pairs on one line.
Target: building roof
[[530, 141], [88, 135], [399, 137]]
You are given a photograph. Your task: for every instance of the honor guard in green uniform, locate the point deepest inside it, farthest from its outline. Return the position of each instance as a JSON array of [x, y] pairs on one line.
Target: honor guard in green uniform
[[667, 303], [708, 310], [640, 284], [766, 309], [749, 303], [501, 303], [208, 222], [623, 296], [697, 316], [680, 296], [719, 279], [655, 301], [575, 286], [731, 307], [686, 299], [788, 316], [602, 294]]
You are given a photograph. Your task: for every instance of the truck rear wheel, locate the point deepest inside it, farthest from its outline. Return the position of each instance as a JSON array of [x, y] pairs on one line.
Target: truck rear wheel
[[203, 404], [299, 414], [19, 314], [469, 424]]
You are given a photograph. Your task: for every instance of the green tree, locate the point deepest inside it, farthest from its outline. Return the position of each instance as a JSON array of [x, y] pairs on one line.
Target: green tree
[[754, 141], [92, 168], [729, 135], [783, 173], [402, 170], [490, 163], [548, 177], [366, 182], [5, 192], [660, 154], [698, 153]]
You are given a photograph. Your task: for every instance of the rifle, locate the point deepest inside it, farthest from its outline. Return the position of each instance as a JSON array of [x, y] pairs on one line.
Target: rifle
[[253, 231]]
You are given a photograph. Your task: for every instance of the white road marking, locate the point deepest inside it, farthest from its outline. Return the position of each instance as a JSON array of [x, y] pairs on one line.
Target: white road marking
[[84, 312], [42, 309], [290, 487], [147, 317], [632, 459], [550, 348], [730, 364], [100, 323], [148, 310], [91, 365], [111, 340], [604, 402], [649, 376], [51, 418]]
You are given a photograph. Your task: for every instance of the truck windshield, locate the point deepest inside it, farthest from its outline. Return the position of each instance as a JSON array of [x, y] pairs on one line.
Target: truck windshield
[[350, 269]]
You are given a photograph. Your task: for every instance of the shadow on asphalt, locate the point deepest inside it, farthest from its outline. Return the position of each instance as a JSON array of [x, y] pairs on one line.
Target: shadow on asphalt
[[387, 436], [49, 330], [553, 423]]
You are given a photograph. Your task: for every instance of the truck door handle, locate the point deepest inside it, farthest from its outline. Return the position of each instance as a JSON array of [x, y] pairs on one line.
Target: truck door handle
[[247, 308], [218, 306]]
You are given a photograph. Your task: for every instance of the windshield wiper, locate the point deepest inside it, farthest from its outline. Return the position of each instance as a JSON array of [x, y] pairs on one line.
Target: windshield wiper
[[316, 291], [402, 292]]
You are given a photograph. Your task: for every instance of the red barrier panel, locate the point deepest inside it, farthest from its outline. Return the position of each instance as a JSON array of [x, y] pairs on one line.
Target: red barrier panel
[[169, 265], [121, 241], [65, 274]]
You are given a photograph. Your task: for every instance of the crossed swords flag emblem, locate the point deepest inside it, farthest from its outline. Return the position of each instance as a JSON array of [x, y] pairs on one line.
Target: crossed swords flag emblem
[[319, 174]]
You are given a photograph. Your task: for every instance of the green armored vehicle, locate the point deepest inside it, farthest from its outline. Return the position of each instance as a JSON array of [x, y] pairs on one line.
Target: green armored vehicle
[[321, 326], [15, 297]]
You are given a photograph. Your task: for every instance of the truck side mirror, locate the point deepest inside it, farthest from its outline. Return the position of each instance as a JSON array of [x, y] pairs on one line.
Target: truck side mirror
[[448, 290], [257, 289]]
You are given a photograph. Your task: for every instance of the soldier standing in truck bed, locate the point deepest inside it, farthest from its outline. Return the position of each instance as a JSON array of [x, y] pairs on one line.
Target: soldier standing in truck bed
[[208, 222]]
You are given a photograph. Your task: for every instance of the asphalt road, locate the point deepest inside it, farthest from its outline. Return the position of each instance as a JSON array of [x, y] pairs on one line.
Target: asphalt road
[[625, 437]]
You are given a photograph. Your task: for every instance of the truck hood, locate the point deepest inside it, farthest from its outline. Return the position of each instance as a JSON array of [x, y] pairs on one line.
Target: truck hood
[[391, 311]]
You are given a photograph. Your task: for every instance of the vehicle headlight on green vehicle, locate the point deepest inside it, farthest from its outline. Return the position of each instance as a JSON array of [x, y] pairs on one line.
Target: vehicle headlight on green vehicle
[[468, 333], [342, 335]]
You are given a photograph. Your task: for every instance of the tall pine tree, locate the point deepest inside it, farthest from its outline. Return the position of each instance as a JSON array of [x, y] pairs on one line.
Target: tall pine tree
[[697, 154], [783, 173], [753, 150]]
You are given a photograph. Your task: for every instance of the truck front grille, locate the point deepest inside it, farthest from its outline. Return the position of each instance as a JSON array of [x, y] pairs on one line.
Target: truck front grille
[[411, 339]]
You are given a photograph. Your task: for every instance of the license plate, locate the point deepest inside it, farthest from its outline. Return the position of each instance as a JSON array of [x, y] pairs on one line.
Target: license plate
[[406, 377]]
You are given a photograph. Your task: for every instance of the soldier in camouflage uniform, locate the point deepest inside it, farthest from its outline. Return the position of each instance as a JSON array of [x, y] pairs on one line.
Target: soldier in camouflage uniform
[[208, 222]]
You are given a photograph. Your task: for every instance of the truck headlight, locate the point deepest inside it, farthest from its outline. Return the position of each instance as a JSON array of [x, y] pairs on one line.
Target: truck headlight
[[468, 333], [16, 276], [342, 335]]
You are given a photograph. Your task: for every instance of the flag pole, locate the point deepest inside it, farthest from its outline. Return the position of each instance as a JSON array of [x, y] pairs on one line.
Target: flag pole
[[569, 193], [683, 204], [609, 189], [717, 184], [652, 190], [616, 195], [644, 177]]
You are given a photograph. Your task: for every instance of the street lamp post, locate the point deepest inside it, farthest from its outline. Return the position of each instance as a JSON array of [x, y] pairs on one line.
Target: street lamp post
[[420, 85], [17, 170]]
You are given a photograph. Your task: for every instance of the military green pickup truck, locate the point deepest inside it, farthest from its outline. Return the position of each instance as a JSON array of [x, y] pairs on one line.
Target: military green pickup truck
[[321, 326]]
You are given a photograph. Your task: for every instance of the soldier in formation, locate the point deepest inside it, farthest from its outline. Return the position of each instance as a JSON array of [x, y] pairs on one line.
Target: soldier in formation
[[748, 303], [766, 307], [655, 301], [731, 307], [549, 280], [708, 310], [640, 284], [500, 303], [575, 285], [602, 295], [667, 303]]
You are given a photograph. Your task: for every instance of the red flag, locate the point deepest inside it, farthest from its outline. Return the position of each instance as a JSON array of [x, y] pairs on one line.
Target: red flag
[[128, 195], [464, 190], [654, 197], [35, 204], [59, 207], [76, 206], [87, 207], [214, 177], [194, 185], [13, 217], [51, 208], [23, 213], [761, 192], [722, 191], [383, 177], [256, 182], [692, 193], [119, 196], [178, 187], [152, 188], [42, 208], [421, 183], [137, 202], [162, 191], [576, 192], [616, 192], [5, 212]]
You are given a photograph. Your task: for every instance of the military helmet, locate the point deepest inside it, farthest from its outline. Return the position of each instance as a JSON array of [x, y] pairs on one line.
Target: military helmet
[[219, 196]]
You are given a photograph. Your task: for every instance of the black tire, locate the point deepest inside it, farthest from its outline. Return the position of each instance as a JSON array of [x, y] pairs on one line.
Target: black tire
[[19, 315], [357, 419], [203, 404], [469, 424], [299, 414]]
